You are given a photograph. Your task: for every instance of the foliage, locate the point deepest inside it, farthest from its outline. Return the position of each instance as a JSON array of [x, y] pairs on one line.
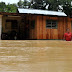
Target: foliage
[[8, 8], [2, 7], [11, 8], [55, 5], [20, 4]]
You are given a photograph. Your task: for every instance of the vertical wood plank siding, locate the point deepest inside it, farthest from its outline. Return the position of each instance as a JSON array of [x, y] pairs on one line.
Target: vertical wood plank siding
[[45, 33], [32, 32], [0, 26]]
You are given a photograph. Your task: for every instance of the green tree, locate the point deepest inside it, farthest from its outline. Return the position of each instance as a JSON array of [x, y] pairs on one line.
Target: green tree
[[25, 4], [2, 7], [11, 8], [39, 4], [20, 4], [53, 5]]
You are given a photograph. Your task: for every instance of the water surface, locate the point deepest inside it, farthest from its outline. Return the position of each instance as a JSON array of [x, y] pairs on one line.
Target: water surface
[[35, 56]]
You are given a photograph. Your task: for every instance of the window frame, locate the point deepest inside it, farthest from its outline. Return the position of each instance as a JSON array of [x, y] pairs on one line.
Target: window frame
[[32, 25], [51, 24], [14, 25], [11, 21]]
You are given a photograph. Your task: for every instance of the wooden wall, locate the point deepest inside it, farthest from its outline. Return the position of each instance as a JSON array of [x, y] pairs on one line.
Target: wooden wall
[[22, 22], [0, 26], [32, 32], [40, 31], [45, 33], [4, 29]]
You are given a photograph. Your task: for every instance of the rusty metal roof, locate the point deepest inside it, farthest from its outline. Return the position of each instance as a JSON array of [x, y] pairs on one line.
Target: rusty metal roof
[[43, 12]]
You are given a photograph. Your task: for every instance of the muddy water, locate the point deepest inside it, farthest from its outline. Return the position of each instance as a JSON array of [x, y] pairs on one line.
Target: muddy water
[[35, 56]]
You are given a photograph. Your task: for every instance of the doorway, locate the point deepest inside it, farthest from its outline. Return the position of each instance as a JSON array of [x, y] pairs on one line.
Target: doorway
[[11, 31]]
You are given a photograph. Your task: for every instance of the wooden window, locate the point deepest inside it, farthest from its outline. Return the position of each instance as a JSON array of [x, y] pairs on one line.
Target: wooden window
[[14, 24], [32, 24], [11, 23], [8, 24], [52, 24]]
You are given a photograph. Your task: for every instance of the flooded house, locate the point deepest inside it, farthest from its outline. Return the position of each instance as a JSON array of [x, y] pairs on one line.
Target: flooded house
[[33, 24]]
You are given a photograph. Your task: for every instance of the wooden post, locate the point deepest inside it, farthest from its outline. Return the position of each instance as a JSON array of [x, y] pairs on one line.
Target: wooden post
[[0, 26]]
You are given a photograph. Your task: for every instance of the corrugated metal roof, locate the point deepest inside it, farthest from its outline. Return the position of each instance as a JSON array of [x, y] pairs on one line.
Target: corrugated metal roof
[[43, 12]]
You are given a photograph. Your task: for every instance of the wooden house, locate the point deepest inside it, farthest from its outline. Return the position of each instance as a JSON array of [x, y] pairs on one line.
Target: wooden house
[[35, 24]]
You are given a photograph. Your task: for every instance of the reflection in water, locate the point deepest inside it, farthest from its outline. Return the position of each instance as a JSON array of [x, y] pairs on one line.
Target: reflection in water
[[35, 56]]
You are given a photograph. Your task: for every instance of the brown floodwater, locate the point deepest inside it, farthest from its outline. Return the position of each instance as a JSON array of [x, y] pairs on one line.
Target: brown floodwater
[[35, 56]]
